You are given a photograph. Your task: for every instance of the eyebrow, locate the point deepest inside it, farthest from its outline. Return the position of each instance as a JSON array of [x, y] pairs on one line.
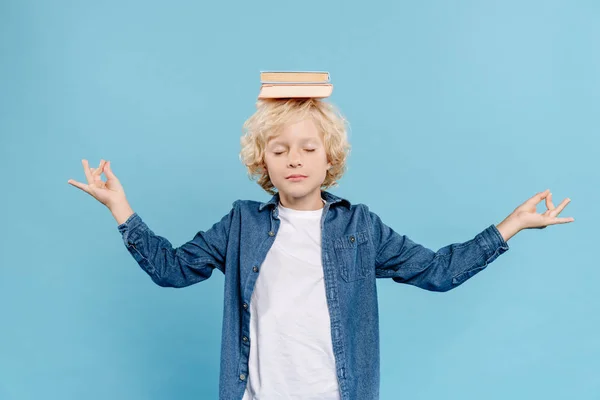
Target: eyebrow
[[274, 143]]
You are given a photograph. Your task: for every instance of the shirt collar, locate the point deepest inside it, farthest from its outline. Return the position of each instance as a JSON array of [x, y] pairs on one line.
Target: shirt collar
[[329, 198]]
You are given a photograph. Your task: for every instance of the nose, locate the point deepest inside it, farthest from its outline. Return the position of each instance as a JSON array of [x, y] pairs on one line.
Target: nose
[[294, 158]]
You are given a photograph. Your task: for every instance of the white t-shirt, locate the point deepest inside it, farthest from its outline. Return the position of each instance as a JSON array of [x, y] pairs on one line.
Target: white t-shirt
[[291, 354]]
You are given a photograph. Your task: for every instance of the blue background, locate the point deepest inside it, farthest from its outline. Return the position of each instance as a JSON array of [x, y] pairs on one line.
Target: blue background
[[459, 112]]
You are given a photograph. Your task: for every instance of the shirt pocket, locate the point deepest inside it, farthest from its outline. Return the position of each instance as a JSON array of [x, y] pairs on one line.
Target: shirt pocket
[[352, 254]]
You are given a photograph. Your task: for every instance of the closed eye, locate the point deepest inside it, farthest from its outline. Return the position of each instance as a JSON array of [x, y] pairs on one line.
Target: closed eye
[[281, 152]]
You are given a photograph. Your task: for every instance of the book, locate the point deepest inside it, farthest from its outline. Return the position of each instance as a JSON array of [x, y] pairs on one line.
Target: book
[[299, 90], [290, 84], [294, 77]]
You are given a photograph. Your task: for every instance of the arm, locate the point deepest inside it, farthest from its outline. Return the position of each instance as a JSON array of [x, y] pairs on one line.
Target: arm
[[399, 258], [121, 211], [405, 261], [190, 263]]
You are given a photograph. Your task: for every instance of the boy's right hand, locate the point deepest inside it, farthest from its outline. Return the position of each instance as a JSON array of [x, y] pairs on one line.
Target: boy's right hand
[[109, 193]]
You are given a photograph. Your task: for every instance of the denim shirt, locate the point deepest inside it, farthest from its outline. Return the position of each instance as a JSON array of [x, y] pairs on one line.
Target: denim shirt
[[357, 247]]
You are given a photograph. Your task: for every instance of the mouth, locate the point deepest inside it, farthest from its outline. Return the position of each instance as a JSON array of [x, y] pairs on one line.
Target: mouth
[[295, 178]]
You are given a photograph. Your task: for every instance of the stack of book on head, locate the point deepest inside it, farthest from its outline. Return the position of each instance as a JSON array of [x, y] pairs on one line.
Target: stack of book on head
[[288, 84]]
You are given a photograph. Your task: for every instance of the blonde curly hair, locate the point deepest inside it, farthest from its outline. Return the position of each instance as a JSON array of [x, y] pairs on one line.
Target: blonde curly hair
[[273, 114]]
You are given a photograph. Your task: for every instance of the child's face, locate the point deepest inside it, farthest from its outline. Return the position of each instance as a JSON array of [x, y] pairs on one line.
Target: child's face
[[298, 149]]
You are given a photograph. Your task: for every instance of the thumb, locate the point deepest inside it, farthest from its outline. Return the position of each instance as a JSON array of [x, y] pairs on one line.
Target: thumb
[[108, 171]]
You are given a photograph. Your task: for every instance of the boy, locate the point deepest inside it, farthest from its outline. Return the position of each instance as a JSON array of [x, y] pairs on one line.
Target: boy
[[300, 310]]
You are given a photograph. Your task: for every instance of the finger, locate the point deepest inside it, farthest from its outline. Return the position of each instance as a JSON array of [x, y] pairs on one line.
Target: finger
[[549, 203], [86, 170], [564, 220], [78, 185], [98, 171], [108, 171], [538, 197], [97, 178], [560, 207]]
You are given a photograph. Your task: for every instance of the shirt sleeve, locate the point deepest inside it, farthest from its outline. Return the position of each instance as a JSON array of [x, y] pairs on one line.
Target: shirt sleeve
[[190, 263], [400, 258]]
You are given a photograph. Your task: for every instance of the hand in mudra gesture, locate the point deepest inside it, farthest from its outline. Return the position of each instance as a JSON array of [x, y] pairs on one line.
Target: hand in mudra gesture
[[108, 193], [529, 218]]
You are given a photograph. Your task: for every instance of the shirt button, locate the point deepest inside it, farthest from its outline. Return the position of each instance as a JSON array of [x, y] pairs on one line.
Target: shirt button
[[242, 376], [271, 233], [245, 339], [245, 306], [255, 269], [352, 239]]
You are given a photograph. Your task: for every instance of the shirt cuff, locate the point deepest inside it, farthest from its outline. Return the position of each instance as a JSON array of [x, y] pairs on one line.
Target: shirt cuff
[[493, 242], [129, 228]]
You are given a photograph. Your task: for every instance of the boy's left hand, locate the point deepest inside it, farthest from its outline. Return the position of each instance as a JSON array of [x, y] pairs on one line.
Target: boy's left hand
[[526, 216]]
